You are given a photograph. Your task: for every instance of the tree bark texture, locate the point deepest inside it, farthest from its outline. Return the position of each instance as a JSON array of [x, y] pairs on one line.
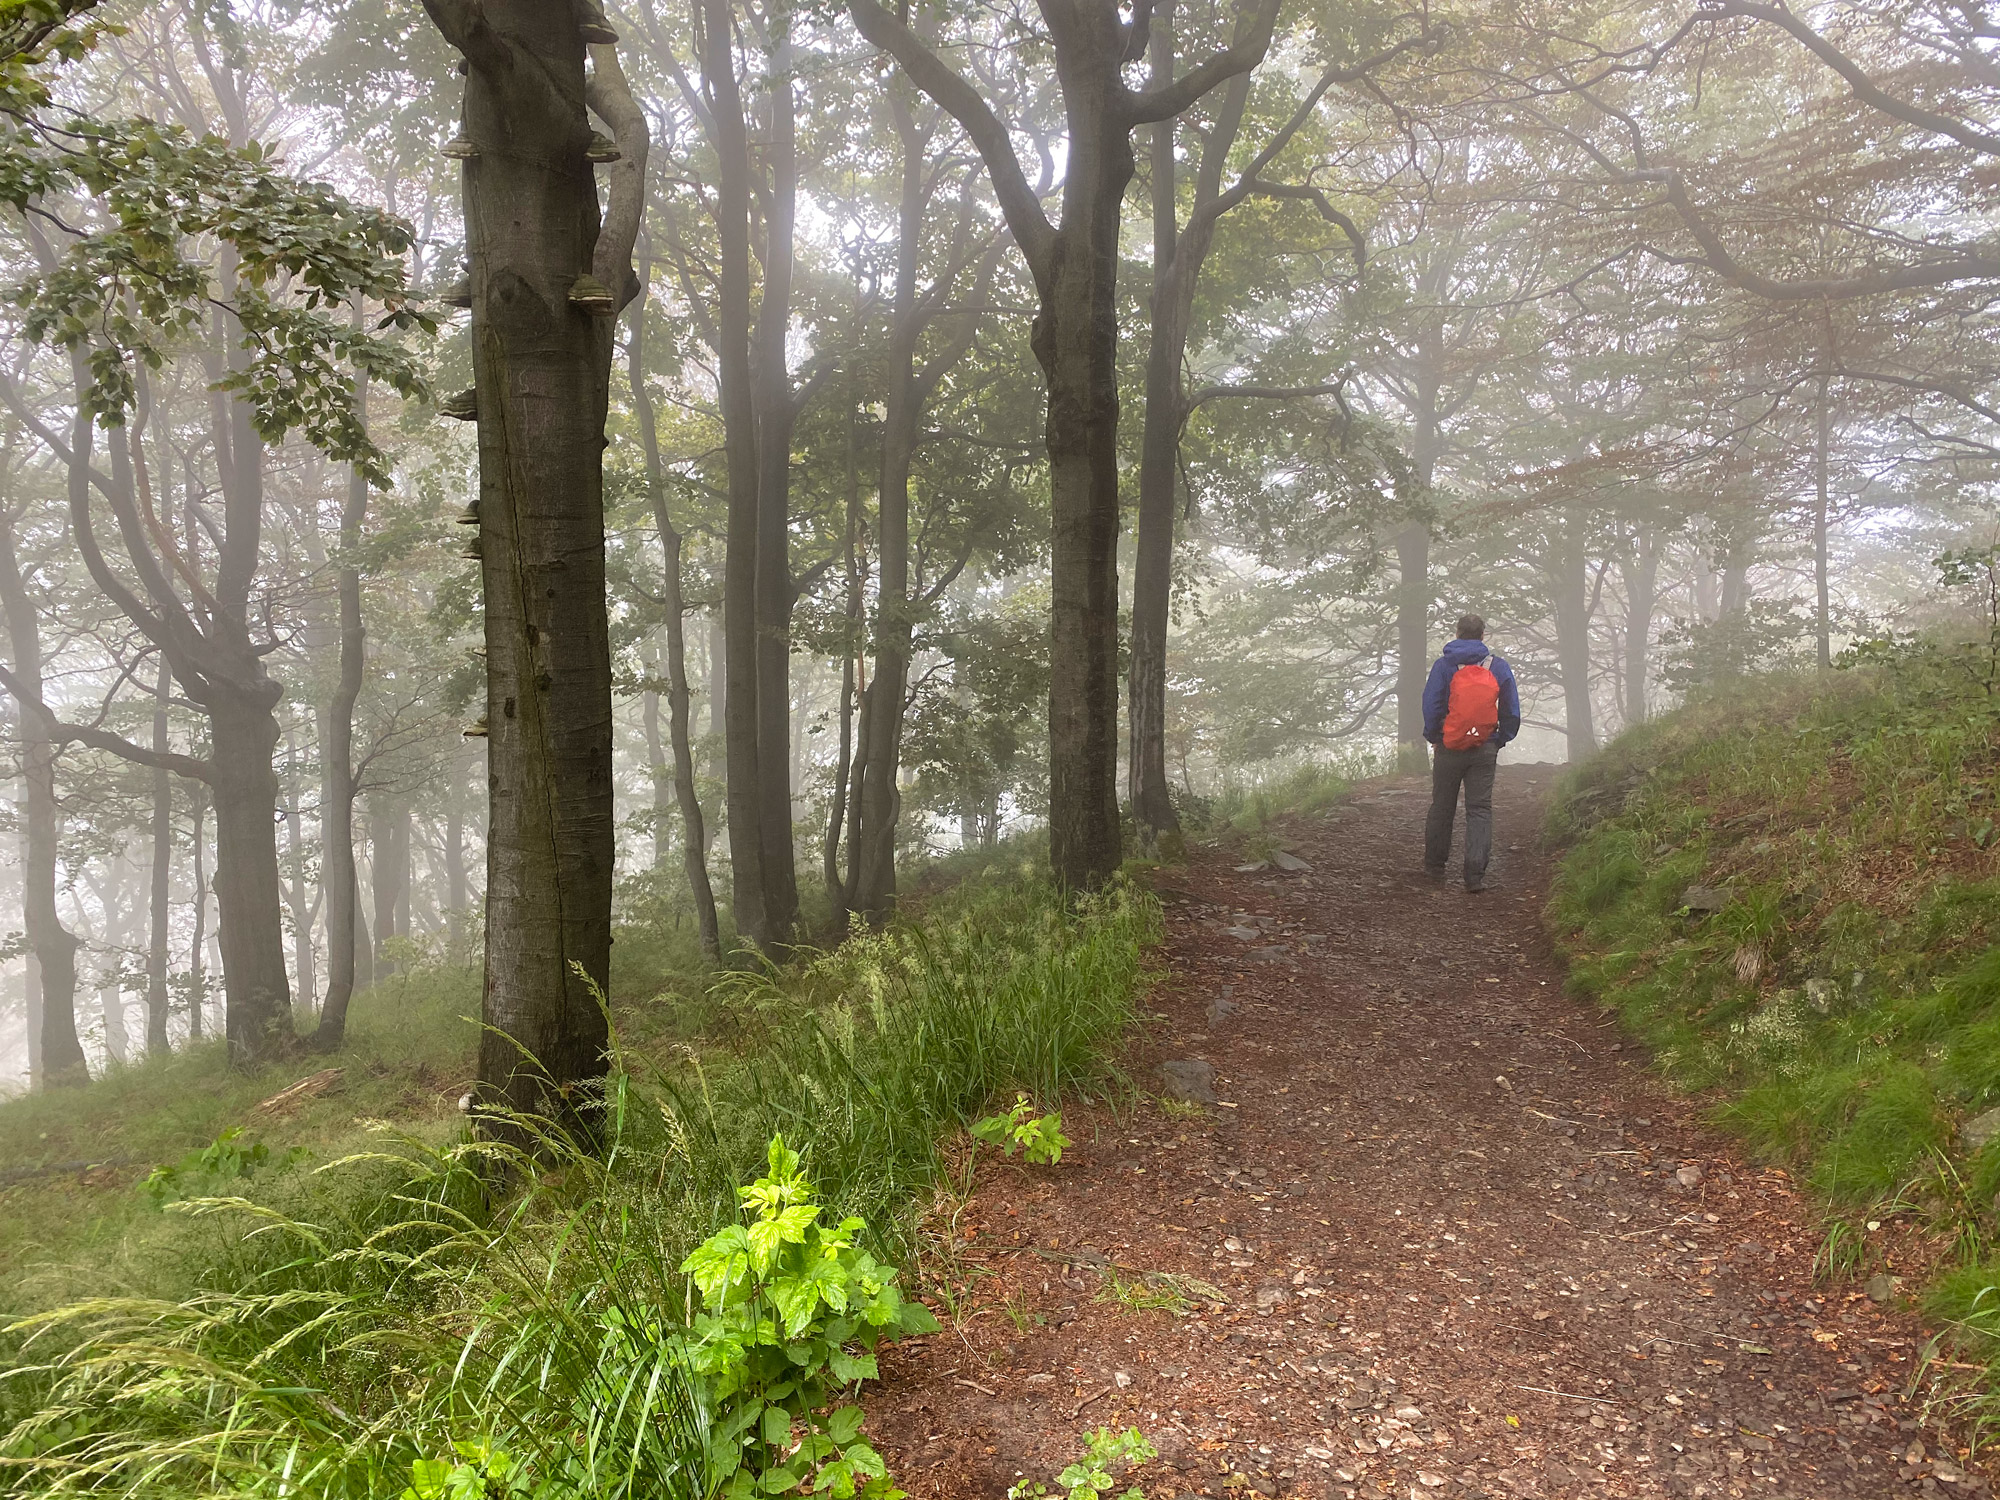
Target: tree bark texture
[[1178, 257], [1075, 339], [876, 794], [657, 773], [1822, 612], [839, 892], [542, 372], [389, 873], [198, 940], [1414, 595], [241, 701], [304, 958], [1642, 584], [737, 398]]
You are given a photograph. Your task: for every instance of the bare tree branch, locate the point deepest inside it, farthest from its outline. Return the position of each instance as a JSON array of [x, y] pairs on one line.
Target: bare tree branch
[[1018, 203], [1865, 88], [1253, 39], [1209, 393], [64, 733]]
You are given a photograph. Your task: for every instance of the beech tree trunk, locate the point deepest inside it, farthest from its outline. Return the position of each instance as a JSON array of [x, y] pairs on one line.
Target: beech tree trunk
[[389, 874], [198, 944], [694, 833], [657, 773], [1413, 628], [1414, 595], [160, 893], [1642, 580], [1822, 610], [1075, 339], [457, 897], [118, 922], [337, 873], [542, 362], [1178, 257], [54, 945], [1572, 621], [839, 893], [755, 920], [776, 415], [249, 882], [877, 796], [304, 965]]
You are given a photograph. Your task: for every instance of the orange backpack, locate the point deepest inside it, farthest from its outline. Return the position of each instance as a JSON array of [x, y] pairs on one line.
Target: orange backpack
[[1472, 712]]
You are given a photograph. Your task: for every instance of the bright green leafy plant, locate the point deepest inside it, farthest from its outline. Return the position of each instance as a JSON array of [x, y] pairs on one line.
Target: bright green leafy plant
[[793, 1310], [479, 1473], [231, 1156], [1090, 1477], [1039, 1139]]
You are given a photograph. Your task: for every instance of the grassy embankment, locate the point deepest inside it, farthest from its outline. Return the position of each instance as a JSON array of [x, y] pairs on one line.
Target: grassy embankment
[[1843, 1004], [344, 1323]]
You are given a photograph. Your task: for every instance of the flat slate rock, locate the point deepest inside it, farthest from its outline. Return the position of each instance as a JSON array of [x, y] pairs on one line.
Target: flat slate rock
[[1977, 1131], [1188, 1078], [1708, 898]]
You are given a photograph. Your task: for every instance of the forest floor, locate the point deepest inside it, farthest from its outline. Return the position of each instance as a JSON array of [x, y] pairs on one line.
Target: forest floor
[[1442, 1234]]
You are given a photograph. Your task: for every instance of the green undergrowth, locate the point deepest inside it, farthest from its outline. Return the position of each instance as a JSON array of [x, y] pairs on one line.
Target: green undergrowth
[[1843, 1003], [408, 1058], [1249, 806], [381, 1325]]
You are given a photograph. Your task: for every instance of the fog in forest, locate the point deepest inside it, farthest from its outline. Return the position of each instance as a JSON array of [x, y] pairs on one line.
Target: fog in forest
[[991, 467]]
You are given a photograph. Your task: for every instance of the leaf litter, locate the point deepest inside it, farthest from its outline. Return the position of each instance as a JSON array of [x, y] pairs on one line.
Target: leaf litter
[[1376, 1274]]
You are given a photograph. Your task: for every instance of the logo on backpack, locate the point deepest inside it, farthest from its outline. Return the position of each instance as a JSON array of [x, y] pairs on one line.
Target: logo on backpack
[[1472, 712]]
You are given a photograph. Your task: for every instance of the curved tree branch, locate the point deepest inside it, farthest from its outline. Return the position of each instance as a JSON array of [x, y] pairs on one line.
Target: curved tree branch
[[64, 733], [1018, 203], [1254, 25], [1865, 88], [608, 94]]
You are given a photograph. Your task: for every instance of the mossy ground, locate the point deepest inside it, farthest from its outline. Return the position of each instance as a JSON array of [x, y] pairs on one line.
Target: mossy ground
[[1844, 1005]]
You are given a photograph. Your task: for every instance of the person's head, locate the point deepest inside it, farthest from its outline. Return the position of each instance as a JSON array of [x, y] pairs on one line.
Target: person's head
[[1471, 628]]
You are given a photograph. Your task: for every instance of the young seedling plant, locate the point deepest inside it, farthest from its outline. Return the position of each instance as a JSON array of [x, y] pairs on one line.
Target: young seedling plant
[[1090, 1477], [1039, 1139], [792, 1312]]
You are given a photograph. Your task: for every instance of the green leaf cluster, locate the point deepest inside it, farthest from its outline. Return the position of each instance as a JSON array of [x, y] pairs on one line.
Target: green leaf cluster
[[1091, 1477], [1038, 1138], [230, 1157], [792, 1311], [140, 209]]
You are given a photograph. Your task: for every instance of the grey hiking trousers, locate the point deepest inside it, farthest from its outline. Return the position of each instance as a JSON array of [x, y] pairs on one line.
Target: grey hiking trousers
[[1472, 769]]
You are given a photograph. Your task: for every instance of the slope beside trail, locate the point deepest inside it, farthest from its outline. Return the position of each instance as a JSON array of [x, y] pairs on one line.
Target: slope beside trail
[[1425, 1281]]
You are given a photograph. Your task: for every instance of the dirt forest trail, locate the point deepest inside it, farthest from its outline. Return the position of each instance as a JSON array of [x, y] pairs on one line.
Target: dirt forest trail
[[1436, 1283]]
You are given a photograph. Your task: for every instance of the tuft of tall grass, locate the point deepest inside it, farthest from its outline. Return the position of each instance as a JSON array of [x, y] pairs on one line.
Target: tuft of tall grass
[[413, 1323], [1250, 806]]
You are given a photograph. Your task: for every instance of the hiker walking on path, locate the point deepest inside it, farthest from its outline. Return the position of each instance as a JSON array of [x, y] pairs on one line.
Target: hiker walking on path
[[1471, 709]]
